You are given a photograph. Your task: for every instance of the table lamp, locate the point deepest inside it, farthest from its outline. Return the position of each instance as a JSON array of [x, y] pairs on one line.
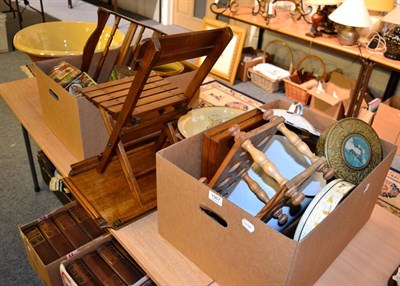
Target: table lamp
[[320, 16], [350, 14], [376, 9], [393, 36]]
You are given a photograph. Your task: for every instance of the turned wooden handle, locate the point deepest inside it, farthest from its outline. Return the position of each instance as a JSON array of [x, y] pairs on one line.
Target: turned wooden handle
[[299, 144], [255, 188], [268, 167]]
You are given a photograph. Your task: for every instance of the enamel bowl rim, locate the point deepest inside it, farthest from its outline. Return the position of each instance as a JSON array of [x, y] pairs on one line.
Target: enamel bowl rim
[[19, 39]]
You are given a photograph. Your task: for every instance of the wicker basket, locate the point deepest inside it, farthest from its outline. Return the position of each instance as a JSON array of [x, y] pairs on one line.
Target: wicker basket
[[263, 81], [297, 86]]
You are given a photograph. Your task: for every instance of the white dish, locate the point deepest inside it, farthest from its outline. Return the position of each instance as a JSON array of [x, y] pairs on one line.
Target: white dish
[[321, 206], [200, 119], [296, 120], [289, 163]]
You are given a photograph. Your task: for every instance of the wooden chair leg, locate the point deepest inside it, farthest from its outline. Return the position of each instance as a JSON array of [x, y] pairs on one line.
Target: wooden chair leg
[[168, 133], [123, 158]]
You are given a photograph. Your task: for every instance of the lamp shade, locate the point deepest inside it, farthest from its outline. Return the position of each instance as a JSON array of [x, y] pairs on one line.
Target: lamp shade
[[351, 13], [324, 2], [379, 5], [393, 17]]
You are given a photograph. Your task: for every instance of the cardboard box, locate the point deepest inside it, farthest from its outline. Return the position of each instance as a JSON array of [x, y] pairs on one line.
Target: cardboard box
[[73, 119], [250, 58], [387, 121], [326, 102], [67, 280], [48, 273], [243, 250]]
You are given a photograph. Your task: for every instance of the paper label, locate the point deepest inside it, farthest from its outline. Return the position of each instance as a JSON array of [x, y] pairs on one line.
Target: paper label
[[215, 198], [248, 225], [42, 218], [71, 254]]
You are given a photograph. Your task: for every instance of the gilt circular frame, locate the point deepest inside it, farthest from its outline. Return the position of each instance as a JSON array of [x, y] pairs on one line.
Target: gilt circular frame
[[352, 149]]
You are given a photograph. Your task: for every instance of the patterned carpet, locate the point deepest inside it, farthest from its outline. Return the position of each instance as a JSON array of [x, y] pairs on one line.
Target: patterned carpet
[[214, 93], [390, 193]]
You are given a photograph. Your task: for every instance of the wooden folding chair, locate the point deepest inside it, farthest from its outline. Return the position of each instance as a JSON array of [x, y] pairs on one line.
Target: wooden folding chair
[[138, 111]]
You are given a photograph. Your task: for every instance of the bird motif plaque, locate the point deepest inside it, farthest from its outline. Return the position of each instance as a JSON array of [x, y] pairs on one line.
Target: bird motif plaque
[[352, 149]]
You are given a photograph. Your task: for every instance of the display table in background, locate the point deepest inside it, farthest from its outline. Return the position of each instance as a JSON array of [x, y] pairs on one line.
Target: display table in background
[[285, 25]]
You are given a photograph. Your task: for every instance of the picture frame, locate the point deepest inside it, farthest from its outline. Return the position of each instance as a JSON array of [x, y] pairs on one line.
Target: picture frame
[[226, 67]]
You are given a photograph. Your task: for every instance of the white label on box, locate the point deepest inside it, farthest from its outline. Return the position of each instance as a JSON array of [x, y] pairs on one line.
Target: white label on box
[[42, 218], [215, 198], [71, 254], [248, 225]]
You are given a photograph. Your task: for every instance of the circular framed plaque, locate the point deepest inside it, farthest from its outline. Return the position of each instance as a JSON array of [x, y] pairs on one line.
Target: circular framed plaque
[[352, 149]]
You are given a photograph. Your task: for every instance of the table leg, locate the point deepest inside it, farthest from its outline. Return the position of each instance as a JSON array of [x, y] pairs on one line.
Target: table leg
[[42, 11], [30, 159], [392, 85], [260, 38], [19, 16], [358, 93]]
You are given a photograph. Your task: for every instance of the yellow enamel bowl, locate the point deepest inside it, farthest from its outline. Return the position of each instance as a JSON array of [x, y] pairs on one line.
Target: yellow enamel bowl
[[59, 39]]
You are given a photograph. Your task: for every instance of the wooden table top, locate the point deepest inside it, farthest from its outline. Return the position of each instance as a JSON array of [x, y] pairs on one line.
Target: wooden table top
[[369, 259]]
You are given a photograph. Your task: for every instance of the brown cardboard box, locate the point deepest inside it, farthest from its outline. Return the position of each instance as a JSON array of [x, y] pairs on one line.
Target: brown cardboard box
[[73, 119], [386, 121], [326, 103], [48, 273], [230, 253]]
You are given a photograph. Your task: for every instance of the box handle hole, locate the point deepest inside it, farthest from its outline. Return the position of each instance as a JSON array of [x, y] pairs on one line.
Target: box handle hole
[[53, 94], [214, 216]]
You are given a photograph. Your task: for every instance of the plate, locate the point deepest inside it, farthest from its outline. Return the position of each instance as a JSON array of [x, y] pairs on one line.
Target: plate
[[289, 163], [321, 206], [200, 119], [296, 120]]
